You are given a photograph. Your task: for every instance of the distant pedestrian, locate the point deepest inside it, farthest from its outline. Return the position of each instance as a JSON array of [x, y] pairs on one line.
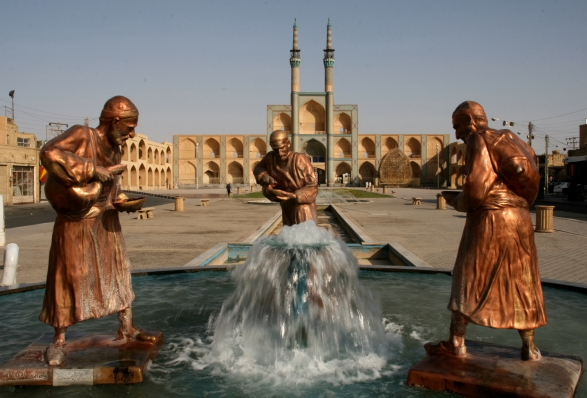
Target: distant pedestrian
[[228, 189]]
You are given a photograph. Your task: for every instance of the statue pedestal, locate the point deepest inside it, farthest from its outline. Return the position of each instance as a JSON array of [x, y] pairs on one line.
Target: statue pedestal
[[89, 359], [491, 370]]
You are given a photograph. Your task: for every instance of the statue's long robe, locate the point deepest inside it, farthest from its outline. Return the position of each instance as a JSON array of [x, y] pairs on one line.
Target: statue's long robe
[[294, 174], [89, 270], [496, 279]]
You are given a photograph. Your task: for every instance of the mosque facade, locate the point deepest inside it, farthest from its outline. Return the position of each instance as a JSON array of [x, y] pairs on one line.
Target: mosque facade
[[329, 134]]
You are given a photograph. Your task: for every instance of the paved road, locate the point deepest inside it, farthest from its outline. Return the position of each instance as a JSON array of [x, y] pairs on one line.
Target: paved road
[[39, 213]]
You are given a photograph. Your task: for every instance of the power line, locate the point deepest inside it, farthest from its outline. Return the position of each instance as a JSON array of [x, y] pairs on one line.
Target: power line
[[39, 110], [552, 117]]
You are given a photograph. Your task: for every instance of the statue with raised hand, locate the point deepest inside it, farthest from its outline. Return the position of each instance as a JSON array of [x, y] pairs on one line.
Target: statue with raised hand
[[496, 278]]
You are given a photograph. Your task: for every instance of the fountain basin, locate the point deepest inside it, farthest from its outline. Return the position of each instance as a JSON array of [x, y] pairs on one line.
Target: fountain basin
[[180, 305]]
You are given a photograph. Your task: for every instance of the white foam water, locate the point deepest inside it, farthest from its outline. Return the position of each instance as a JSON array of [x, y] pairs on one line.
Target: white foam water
[[298, 315]]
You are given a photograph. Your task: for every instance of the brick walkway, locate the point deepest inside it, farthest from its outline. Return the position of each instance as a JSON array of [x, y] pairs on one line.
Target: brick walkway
[[434, 235], [172, 239]]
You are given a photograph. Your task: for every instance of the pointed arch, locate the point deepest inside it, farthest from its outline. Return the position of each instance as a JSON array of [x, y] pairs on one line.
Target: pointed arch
[[149, 155], [187, 172], [342, 124], [367, 172], [234, 148], [187, 148], [312, 117], [391, 143], [168, 155], [156, 178], [234, 173], [315, 150], [366, 148], [414, 148], [342, 149], [257, 149], [125, 155], [134, 153], [142, 176], [211, 173], [211, 148], [282, 122], [142, 150], [156, 156], [134, 177]]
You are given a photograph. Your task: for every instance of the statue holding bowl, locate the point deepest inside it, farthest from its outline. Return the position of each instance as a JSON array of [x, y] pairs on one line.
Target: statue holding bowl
[[89, 270]]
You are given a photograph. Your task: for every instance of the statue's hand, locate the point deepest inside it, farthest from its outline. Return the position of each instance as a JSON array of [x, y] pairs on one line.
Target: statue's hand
[[266, 179], [284, 195], [103, 174], [117, 169]]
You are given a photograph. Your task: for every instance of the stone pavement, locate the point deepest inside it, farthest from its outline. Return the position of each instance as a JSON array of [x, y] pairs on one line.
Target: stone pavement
[[434, 235], [172, 239]]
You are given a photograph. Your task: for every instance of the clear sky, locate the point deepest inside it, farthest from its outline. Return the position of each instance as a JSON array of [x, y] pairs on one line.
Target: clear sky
[[212, 67]]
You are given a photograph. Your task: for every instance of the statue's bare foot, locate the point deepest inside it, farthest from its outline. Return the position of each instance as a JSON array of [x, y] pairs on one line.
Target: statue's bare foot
[[55, 354], [445, 348], [530, 353]]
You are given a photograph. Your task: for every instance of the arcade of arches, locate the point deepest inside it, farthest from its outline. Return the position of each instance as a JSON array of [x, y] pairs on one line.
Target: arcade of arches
[[395, 160], [149, 164]]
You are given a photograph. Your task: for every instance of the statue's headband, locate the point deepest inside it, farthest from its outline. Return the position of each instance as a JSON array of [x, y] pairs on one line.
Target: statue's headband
[[106, 114]]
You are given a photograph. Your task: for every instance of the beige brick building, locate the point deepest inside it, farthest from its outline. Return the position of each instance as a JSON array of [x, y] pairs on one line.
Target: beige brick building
[[149, 164], [19, 164]]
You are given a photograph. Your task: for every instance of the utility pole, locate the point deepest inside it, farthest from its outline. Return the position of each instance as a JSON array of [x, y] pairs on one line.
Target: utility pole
[[546, 139], [572, 141], [58, 129], [88, 122], [530, 128]]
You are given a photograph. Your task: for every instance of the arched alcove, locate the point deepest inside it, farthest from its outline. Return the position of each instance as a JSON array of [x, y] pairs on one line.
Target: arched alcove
[[315, 150], [149, 156], [150, 177], [187, 173], [187, 148], [234, 148], [211, 173], [143, 176], [134, 153], [414, 148], [366, 148], [134, 177], [157, 181], [367, 172], [342, 148], [342, 124], [390, 144], [257, 149], [234, 173], [156, 156], [142, 150], [282, 122], [211, 148], [312, 116], [168, 155], [124, 149]]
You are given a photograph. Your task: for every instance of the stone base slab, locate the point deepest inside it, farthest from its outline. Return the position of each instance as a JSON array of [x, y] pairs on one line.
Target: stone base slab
[[89, 359], [492, 370]]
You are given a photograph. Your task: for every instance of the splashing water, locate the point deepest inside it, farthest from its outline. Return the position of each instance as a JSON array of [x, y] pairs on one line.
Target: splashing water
[[298, 315]]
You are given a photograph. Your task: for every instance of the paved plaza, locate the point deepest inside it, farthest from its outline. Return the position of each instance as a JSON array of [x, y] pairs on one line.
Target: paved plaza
[[172, 239]]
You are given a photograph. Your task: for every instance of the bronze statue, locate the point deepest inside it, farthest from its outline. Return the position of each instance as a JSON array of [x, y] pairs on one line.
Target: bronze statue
[[288, 178], [496, 279], [89, 271]]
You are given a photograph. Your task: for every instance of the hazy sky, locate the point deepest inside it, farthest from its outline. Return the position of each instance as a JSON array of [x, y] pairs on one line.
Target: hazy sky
[[212, 67]]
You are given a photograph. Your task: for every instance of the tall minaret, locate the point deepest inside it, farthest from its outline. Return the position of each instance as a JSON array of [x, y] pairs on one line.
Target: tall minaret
[[295, 61], [329, 89]]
